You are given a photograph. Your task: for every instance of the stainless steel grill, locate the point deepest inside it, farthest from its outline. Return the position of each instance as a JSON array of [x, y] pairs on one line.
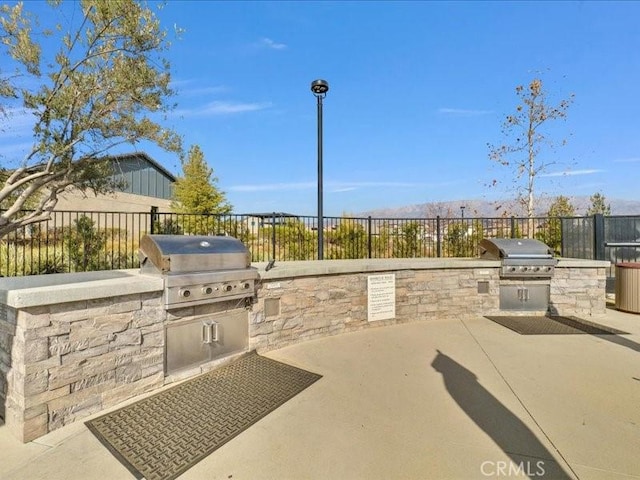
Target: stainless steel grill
[[520, 257], [198, 269]]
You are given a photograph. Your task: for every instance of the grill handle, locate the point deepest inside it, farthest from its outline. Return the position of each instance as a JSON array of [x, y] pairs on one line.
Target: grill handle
[[528, 255]]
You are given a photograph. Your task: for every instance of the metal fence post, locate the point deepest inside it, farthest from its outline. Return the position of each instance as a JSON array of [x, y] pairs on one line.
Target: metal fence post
[[513, 227], [369, 235], [154, 219], [438, 241], [598, 237], [273, 236]]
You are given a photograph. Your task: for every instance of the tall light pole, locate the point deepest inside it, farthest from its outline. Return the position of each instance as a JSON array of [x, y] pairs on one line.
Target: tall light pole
[[320, 89], [462, 207]]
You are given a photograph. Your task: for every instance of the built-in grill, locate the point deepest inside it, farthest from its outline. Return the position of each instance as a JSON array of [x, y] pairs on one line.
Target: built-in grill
[[201, 270], [526, 269], [521, 257], [198, 269]]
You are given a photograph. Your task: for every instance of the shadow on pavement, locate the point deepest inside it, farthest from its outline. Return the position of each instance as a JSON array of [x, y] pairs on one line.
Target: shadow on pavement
[[527, 454], [622, 341]]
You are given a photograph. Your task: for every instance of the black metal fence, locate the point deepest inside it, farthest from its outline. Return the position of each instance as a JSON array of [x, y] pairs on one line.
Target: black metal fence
[[72, 241], [615, 238]]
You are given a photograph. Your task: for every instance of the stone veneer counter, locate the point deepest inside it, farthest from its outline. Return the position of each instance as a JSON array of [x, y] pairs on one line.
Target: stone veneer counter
[[74, 344], [298, 301]]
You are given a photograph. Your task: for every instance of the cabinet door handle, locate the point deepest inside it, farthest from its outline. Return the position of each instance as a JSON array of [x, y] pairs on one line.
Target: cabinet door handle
[[214, 331], [206, 333]]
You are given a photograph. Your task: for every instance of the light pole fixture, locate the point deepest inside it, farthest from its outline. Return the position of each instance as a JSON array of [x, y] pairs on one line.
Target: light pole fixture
[[462, 207], [320, 88]]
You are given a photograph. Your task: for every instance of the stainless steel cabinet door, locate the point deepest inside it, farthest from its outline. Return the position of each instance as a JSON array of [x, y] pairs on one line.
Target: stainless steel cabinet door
[[524, 297], [194, 341]]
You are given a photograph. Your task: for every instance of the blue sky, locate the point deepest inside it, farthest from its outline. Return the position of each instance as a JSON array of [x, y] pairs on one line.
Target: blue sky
[[417, 91]]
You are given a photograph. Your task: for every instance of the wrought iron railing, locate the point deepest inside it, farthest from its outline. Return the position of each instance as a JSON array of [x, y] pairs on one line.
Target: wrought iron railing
[[73, 241]]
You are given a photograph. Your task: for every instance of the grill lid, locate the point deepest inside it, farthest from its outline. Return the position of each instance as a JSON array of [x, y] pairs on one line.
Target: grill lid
[[513, 248], [183, 253]]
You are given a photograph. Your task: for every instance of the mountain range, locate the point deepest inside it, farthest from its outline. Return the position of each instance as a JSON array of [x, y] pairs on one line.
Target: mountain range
[[496, 208]]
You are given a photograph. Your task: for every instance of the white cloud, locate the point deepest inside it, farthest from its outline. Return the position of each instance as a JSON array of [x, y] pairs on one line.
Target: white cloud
[[628, 160], [221, 108], [265, 187], [267, 42], [197, 91], [463, 112], [571, 173], [334, 186]]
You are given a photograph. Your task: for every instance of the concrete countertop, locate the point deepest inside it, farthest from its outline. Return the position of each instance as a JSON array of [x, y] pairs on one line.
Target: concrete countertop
[[336, 267], [31, 291]]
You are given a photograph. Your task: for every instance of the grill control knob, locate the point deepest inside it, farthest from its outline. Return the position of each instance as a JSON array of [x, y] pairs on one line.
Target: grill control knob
[[185, 293], [207, 290], [246, 286], [524, 269], [228, 288], [536, 269]]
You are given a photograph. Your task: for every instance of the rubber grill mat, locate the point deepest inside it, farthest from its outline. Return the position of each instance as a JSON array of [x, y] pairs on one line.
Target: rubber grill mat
[[552, 325], [162, 436]]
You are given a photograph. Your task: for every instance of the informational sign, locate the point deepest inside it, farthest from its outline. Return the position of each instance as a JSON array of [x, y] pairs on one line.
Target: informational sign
[[381, 297]]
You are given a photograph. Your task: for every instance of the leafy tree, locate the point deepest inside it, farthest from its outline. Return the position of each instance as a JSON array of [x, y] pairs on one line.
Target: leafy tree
[[381, 241], [561, 207], [169, 226], [527, 129], [348, 240], [105, 78], [599, 205], [407, 244], [551, 232], [29, 204], [462, 238], [295, 241], [196, 193], [85, 245]]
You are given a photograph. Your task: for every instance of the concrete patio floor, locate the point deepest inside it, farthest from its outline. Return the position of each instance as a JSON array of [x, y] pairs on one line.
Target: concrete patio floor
[[439, 400]]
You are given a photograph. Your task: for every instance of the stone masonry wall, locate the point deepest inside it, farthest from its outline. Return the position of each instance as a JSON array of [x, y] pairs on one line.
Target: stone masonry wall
[[7, 332], [305, 308], [63, 362], [579, 291], [73, 359]]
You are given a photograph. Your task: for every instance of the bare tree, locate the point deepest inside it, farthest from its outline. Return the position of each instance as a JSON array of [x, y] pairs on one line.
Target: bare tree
[[438, 209], [525, 130], [101, 89]]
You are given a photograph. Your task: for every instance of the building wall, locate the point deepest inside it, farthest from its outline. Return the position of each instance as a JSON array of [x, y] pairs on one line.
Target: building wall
[[117, 202], [141, 177]]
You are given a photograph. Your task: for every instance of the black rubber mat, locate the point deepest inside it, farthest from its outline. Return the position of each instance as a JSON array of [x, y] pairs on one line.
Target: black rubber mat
[[552, 325], [162, 436]]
